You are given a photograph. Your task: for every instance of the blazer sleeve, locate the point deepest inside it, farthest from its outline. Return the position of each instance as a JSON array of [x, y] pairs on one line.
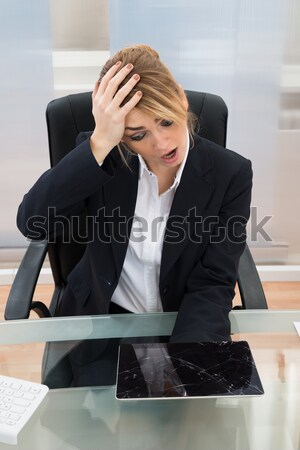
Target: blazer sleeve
[[204, 311], [60, 193]]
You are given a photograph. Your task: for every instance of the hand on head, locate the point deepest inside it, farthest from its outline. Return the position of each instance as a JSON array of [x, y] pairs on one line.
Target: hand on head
[[108, 109]]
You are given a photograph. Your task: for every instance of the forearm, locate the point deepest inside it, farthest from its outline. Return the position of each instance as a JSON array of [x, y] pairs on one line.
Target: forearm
[[205, 306], [60, 192], [204, 315]]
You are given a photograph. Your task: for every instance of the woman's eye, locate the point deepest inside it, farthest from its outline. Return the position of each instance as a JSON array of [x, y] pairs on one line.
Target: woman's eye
[[166, 123], [137, 137]]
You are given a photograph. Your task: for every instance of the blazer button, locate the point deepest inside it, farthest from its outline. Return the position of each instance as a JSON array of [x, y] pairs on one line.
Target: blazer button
[[165, 290]]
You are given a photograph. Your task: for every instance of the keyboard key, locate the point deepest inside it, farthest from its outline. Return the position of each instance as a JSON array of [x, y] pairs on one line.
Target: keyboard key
[[28, 396], [10, 422], [25, 388], [18, 394], [8, 392], [14, 417], [35, 390], [17, 409], [21, 402], [4, 406]]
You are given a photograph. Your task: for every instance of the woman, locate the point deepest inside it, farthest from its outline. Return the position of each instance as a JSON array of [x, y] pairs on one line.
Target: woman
[[168, 208]]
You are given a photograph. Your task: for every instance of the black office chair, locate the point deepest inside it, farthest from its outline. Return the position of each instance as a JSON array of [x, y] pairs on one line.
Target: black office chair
[[66, 117]]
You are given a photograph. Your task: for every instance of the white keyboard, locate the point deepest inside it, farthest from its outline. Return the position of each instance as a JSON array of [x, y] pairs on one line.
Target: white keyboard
[[18, 401]]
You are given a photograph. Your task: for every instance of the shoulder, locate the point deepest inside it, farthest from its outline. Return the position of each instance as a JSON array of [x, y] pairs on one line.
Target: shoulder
[[216, 152], [207, 155]]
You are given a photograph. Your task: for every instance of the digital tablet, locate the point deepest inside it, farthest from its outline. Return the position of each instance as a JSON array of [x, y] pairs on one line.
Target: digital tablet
[[193, 370]]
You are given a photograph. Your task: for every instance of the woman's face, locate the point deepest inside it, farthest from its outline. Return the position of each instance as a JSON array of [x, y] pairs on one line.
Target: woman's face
[[161, 142]]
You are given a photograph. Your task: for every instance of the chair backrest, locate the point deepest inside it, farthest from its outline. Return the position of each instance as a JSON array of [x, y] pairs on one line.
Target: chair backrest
[[69, 115]]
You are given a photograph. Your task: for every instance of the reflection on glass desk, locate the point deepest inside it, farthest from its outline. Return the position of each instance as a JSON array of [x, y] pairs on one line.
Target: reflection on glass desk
[[91, 417]]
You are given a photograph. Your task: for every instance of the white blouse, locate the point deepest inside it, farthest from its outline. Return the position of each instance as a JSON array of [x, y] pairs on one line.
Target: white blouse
[[138, 287]]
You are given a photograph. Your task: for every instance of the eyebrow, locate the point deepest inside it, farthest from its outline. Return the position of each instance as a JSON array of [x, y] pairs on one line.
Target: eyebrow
[[139, 128], [134, 128]]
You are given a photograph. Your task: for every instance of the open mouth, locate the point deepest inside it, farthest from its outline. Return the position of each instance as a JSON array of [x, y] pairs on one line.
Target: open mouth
[[171, 154]]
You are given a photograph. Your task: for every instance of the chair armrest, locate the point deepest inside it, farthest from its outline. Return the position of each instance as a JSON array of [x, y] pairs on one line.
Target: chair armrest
[[250, 287], [19, 302]]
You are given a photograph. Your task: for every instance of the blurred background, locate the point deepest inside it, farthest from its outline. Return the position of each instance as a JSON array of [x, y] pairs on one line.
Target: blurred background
[[247, 51]]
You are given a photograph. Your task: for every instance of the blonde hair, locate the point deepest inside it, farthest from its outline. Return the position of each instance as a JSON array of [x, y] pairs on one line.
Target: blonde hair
[[162, 95]]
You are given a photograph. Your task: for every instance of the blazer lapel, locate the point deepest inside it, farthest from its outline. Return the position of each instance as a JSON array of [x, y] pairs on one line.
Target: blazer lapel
[[120, 198], [192, 196]]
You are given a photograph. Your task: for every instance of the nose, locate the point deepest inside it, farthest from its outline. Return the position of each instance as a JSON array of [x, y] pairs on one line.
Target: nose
[[161, 140]]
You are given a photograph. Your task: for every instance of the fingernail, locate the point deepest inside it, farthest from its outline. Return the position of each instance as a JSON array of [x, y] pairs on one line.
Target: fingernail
[[118, 63], [136, 76], [129, 66]]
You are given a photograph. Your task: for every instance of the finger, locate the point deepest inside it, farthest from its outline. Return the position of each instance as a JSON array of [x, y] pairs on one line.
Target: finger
[[131, 103], [115, 81], [96, 87], [125, 90], [108, 76]]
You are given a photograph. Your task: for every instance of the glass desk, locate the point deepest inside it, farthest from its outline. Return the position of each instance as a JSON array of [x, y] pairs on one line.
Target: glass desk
[[91, 418]]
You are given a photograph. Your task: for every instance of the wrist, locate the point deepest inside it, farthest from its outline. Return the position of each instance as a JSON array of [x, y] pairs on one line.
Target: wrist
[[99, 148]]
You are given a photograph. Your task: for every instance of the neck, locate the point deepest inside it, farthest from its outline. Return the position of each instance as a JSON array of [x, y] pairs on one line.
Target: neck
[[165, 176]]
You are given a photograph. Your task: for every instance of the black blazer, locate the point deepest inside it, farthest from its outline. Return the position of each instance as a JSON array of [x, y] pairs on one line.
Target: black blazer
[[204, 239]]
